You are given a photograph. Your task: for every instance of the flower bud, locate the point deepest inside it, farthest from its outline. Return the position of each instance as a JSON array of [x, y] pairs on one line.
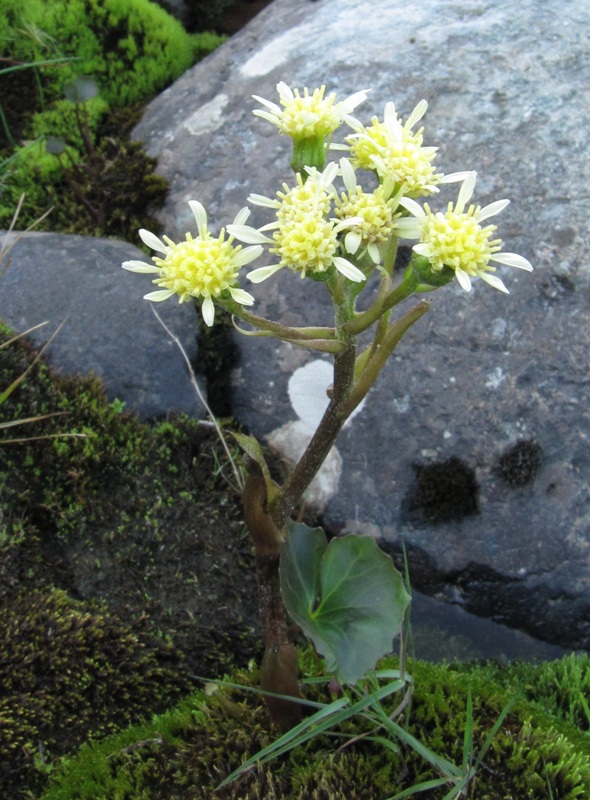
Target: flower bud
[[421, 277]]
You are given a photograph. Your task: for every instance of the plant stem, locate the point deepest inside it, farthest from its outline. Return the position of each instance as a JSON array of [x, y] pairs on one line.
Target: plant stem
[[279, 669], [323, 439]]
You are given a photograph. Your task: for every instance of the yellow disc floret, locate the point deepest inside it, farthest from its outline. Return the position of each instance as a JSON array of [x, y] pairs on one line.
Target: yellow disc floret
[[310, 115], [201, 267], [457, 240], [307, 244], [375, 211], [304, 198], [363, 148], [396, 152]]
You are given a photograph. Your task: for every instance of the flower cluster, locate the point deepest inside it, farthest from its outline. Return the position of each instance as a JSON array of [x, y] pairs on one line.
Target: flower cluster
[[305, 238], [394, 151], [318, 231]]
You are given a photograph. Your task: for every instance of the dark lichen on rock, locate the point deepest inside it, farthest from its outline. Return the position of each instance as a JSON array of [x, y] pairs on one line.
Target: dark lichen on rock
[[519, 464], [443, 491]]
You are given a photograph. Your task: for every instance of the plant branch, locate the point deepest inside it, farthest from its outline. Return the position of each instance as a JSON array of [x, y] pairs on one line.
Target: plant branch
[[377, 360]]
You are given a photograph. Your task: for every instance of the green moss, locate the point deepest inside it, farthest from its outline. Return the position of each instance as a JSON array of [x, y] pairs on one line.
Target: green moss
[[72, 670], [132, 49], [561, 687], [118, 182], [186, 755]]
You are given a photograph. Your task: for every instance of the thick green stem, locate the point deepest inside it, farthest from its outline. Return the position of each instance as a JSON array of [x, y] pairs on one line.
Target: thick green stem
[[365, 319]]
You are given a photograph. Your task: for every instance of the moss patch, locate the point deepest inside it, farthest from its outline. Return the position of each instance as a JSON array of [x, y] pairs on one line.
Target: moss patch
[[71, 670], [138, 516], [187, 752]]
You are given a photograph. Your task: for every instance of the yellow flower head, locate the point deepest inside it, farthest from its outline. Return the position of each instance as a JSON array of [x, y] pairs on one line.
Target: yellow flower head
[[306, 244], [204, 267], [456, 238], [313, 195], [396, 152], [308, 115], [375, 212]]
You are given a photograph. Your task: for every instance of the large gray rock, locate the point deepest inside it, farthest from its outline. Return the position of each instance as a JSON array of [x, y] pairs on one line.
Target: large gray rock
[[473, 449], [108, 329]]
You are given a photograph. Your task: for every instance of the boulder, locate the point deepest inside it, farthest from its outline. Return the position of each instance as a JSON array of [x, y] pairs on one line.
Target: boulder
[[108, 330], [472, 452]]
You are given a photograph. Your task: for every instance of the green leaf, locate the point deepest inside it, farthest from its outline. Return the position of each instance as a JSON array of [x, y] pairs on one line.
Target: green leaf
[[346, 596]]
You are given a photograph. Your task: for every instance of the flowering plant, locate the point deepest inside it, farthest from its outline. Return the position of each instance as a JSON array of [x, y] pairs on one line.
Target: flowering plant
[[346, 596]]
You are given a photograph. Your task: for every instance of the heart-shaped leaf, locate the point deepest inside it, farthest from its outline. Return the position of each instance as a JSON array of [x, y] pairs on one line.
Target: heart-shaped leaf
[[346, 596]]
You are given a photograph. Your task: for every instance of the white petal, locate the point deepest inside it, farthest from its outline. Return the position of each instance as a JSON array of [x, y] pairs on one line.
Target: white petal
[[242, 297], [200, 216], [262, 273], [464, 279], [247, 234], [494, 281], [413, 207], [353, 123], [465, 192], [247, 255], [261, 200], [329, 173], [139, 266], [285, 92], [348, 174], [355, 99], [208, 311], [352, 241], [242, 216], [423, 249], [349, 222], [349, 270], [149, 238], [454, 177], [417, 114], [407, 228], [374, 253], [271, 106], [335, 146], [512, 260], [157, 297], [391, 121], [266, 115], [492, 209]]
